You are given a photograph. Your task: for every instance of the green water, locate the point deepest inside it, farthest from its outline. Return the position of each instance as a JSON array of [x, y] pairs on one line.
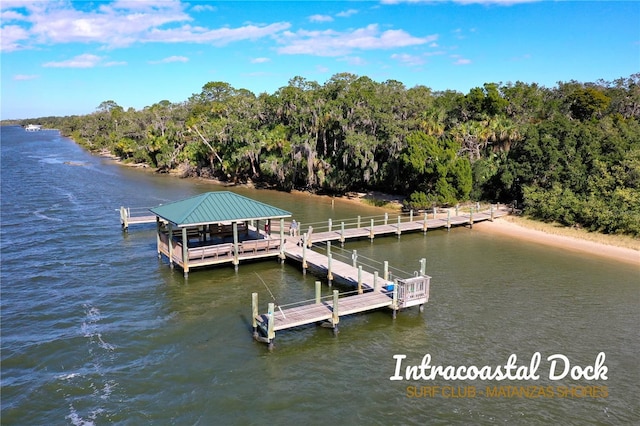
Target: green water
[[95, 330]]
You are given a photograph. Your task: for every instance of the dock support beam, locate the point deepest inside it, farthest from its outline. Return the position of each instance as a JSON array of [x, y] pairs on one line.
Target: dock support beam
[[371, 232], [236, 261], [360, 279], [335, 317], [424, 223], [304, 254], [254, 314], [394, 305], [398, 231], [271, 334], [318, 292], [385, 274], [185, 253]]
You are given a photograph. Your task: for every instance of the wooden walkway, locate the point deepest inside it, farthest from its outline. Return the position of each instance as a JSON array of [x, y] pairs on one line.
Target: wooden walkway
[[137, 217], [400, 227], [372, 293], [324, 311]]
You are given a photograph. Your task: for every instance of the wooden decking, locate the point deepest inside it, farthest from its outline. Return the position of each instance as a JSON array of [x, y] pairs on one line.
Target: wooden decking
[[399, 226], [373, 292], [324, 311]]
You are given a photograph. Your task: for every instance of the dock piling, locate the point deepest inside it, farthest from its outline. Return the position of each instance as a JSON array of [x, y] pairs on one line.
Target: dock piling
[[335, 317], [254, 314]]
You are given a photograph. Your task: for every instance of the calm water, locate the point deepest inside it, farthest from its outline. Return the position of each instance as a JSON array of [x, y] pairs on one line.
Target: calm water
[[96, 330]]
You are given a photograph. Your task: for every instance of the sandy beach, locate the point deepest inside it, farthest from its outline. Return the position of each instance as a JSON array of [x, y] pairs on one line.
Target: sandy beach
[[509, 226]]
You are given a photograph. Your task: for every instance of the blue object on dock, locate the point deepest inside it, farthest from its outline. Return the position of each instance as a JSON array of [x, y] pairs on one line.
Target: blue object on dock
[[389, 287]]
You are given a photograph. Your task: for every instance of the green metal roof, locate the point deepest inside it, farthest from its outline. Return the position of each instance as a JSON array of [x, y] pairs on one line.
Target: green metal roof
[[216, 207]]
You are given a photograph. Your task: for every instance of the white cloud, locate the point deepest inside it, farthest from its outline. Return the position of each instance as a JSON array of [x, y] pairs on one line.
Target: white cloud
[[459, 60], [335, 43], [204, 8], [171, 59], [12, 38], [86, 60], [354, 60], [219, 36], [25, 77], [116, 24], [464, 2], [407, 59], [346, 13], [260, 60], [320, 18], [114, 63]]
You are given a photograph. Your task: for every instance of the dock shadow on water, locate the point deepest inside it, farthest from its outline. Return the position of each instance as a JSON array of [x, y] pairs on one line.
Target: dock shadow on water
[[95, 329]]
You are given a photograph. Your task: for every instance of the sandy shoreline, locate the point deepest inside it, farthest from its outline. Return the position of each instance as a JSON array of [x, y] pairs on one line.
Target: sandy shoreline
[[509, 228]]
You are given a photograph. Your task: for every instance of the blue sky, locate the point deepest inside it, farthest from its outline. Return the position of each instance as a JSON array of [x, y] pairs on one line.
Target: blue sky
[[66, 57]]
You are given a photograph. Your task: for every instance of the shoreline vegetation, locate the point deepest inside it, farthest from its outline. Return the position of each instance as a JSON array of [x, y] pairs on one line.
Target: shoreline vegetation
[[568, 154], [623, 248]]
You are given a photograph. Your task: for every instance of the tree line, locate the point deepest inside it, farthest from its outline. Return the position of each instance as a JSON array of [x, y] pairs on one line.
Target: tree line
[[570, 153]]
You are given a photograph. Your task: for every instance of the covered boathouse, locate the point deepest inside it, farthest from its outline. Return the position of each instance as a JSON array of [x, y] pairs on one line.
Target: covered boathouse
[[216, 228]]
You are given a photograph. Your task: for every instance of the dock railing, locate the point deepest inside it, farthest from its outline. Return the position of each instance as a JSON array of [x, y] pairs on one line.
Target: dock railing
[[359, 222]]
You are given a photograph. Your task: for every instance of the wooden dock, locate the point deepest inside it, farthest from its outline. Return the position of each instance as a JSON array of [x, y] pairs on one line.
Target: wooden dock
[[372, 292], [402, 224], [135, 216]]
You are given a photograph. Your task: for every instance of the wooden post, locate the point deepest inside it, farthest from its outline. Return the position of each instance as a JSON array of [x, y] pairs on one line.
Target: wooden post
[[185, 253], [124, 220], [282, 256], [342, 233], [318, 292], [354, 257], [329, 273], [358, 222], [491, 212], [423, 266], [309, 232], [457, 208], [471, 218], [234, 226], [395, 298], [424, 223], [271, 334], [330, 224], [386, 218], [411, 215], [398, 231], [375, 281], [448, 219], [254, 313], [385, 274], [371, 233], [158, 236], [360, 279], [335, 317], [170, 245], [304, 254]]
